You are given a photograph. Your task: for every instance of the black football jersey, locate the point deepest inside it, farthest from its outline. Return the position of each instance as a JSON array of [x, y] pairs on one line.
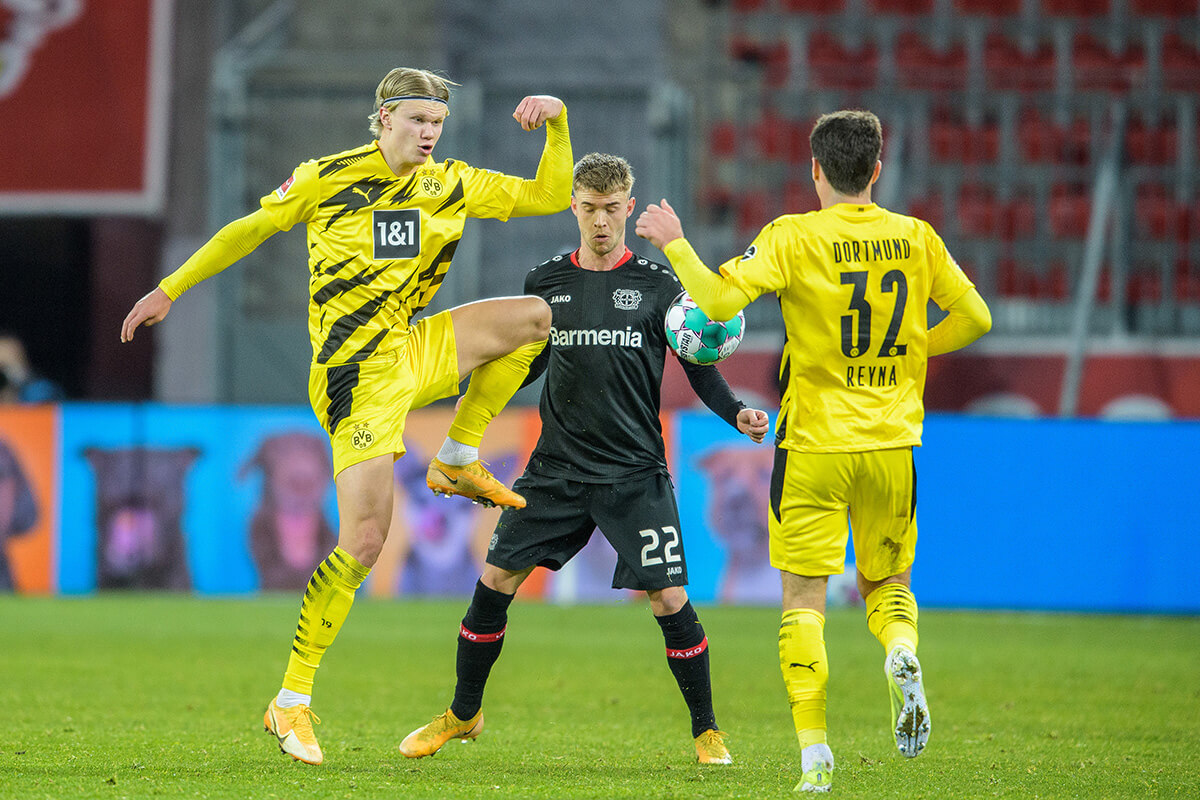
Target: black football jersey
[[607, 347]]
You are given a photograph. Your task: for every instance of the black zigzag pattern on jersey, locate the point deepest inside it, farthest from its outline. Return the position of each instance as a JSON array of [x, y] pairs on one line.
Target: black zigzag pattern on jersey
[[356, 197], [456, 196], [429, 281], [347, 324], [318, 269], [337, 164], [340, 382], [338, 286]]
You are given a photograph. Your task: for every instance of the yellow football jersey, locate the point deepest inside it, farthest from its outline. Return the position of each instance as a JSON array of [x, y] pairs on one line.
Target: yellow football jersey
[[379, 245], [853, 284]]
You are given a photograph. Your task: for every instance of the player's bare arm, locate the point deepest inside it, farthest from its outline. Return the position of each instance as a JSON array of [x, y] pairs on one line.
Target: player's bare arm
[[150, 310], [659, 224], [753, 423], [534, 110]]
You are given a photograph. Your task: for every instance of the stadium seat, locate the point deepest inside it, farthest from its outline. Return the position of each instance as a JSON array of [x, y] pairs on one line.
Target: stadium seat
[[954, 141], [1053, 283], [1070, 208], [1096, 67], [749, 6], [752, 211], [924, 67], [770, 57], [813, 6], [1144, 285], [1147, 143], [800, 197], [1009, 67], [835, 65], [1043, 140], [1180, 64], [992, 8], [1165, 8], [1017, 218], [977, 211], [909, 7], [1187, 282], [780, 139], [1075, 8], [1016, 280], [1158, 216], [930, 208], [723, 139]]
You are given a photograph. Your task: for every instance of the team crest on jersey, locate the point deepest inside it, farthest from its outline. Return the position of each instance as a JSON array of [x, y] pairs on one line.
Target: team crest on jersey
[[361, 437], [627, 299], [750, 253], [432, 186], [282, 191]]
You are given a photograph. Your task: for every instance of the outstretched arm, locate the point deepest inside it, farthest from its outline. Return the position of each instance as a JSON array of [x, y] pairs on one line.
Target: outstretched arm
[[712, 389], [717, 296], [550, 191], [967, 318], [232, 242]]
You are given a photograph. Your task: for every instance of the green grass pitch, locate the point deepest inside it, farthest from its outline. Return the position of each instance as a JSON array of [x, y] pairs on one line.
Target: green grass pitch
[[162, 696]]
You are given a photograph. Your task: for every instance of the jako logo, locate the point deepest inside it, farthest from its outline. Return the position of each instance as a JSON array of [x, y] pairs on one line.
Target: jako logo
[[625, 338], [561, 298]]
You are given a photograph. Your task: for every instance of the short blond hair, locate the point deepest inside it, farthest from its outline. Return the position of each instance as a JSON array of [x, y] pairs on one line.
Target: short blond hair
[[407, 81], [603, 174]]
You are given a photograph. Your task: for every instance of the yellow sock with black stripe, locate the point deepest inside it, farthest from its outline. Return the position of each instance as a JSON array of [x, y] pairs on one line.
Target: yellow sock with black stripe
[[805, 671], [492, 386], [326, 604], [892, 616]]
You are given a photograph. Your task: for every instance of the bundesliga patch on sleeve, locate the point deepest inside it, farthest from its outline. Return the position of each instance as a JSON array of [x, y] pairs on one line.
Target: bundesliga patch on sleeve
[[282, 191], [750, 253]]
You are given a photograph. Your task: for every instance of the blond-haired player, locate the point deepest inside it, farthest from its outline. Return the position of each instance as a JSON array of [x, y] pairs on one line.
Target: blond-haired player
[[383, 221], [853, 281]]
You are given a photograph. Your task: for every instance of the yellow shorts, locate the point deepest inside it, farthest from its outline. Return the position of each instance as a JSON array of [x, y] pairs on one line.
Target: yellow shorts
[[817, 499], [363, 406]]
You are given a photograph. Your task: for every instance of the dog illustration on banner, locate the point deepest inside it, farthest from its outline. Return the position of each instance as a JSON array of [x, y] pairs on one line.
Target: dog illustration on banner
[[739, 486], [24, 24], [139, 512], [18, 509], [438, 539], [289, 532]]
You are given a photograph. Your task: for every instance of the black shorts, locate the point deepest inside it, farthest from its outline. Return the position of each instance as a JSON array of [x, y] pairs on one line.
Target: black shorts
[[638, 517]]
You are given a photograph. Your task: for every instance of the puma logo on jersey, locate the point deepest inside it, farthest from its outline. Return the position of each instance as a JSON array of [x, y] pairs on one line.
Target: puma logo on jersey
[[812, 667], [561, 298], [366, 193]]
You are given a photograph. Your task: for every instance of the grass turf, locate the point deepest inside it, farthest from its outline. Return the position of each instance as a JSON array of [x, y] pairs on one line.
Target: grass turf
[[162, 696]]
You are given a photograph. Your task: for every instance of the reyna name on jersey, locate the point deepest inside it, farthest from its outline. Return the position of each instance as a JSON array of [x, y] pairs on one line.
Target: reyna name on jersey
[[863, 375], [871, 250], [592, 338]]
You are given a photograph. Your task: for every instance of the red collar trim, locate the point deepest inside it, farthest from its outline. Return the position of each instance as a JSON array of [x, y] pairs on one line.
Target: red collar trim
[[624, 259]]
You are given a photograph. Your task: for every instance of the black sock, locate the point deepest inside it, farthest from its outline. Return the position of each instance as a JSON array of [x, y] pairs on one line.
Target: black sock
[[479, 641], [687, 656]]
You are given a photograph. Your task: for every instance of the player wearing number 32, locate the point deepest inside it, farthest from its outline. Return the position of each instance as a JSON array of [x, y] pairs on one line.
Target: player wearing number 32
[[383, 221], [853, 281], [600, 460]]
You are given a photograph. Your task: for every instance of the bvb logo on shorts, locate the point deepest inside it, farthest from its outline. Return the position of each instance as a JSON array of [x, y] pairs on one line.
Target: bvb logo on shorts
[[361, 438], [432, 186]]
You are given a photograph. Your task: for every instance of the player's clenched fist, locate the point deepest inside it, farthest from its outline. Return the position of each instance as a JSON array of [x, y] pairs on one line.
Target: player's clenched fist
[[536, 109], [659, 225], [149, 310]]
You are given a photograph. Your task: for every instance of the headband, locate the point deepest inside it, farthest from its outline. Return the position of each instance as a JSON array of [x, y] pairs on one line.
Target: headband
[[413, 97]]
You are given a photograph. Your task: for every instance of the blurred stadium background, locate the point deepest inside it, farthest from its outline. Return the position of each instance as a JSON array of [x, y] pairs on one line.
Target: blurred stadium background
[[1053, 144]]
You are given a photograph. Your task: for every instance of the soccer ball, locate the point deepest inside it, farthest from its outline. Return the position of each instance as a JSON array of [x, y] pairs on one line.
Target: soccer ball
[[698, 339]]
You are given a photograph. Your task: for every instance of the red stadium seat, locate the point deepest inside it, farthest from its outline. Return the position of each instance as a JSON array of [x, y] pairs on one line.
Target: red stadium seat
[[753, 210], [953, 141], [800, 197], [1144, 285], [1017, 218], [750, 5], [780, 139], [835, 65], [813, 6], [1165, 8], [1008, 66], [1070, 208], [1043, 140], [723, 139], [923, 67], [929, 208], [1016, 280], [978, 212], [771, 57], [910, 7], [992, 8], [1187, 282], [1157, 215], [1098, 68], [1075, 8], [1180, 64], [1151, 144]]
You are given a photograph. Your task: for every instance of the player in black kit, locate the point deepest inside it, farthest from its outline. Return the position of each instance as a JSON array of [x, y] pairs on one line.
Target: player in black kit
[[600, 461]]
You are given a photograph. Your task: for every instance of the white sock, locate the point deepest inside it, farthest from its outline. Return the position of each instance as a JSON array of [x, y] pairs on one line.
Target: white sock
[[815, 754], [287, 698], [457, 454]]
